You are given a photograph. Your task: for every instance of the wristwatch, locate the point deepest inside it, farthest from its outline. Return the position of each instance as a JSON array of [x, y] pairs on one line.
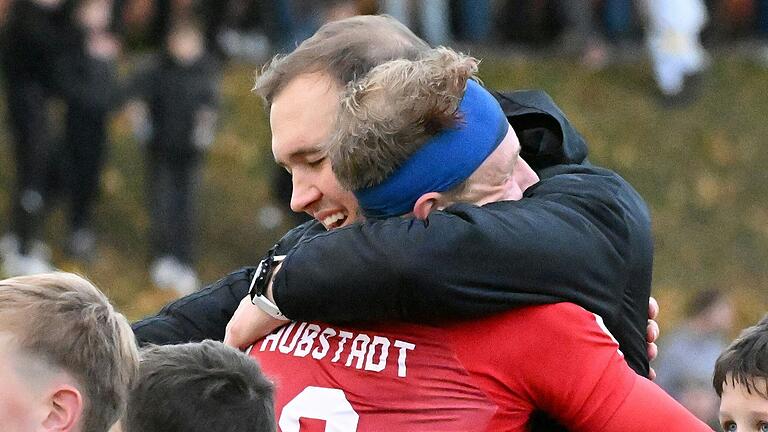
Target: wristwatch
[[260, 282]]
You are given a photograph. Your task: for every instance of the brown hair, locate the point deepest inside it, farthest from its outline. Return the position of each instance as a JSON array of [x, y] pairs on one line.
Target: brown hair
[[745, 360], [344, 49], [392, 111], [205, 386], [64, 320]]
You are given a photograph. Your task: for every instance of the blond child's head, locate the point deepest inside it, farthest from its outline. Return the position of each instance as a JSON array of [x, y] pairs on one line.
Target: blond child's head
[[68, 357], [741, 381]]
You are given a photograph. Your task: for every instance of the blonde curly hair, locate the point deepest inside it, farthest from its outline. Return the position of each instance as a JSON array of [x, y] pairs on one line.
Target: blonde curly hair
[[389, 113]]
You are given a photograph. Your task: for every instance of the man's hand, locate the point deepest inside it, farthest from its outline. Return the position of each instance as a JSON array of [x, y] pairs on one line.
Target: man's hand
[[249, 324], [652, 333]]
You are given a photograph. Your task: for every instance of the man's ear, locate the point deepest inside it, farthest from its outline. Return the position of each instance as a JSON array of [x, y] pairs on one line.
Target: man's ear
[[66, 409], [425, 204]]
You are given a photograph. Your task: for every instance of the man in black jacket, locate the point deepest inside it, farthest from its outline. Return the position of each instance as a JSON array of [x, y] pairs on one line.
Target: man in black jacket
[[582, 234]]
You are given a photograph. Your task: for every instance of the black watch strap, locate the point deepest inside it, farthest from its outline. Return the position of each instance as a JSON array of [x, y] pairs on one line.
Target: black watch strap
[[263, 273]]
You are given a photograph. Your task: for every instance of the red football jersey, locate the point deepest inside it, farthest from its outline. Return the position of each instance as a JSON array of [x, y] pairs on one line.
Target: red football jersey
[[482, 375]]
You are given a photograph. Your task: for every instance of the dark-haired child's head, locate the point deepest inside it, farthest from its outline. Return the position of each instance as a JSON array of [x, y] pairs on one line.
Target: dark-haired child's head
[[741, 381], [204, 386]]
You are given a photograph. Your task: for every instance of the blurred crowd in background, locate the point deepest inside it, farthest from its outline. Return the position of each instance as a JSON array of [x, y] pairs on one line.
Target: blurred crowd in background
[[64, 55], [687, 355]]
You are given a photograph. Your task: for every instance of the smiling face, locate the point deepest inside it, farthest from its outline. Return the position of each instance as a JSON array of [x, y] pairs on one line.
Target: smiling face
[[741, 411], [302, 118]]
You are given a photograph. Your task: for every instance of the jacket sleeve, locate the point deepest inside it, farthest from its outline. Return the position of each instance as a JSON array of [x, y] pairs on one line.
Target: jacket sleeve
[[196, 317], [567, 240], [205, 314]]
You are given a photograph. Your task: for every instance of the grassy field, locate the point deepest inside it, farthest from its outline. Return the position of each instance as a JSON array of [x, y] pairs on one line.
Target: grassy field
[[701, 169]]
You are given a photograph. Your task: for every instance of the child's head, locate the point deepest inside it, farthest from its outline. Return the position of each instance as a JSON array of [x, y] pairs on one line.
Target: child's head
[[94, 15], [741, 381], [204, 386], [67, 357], [185, 43]]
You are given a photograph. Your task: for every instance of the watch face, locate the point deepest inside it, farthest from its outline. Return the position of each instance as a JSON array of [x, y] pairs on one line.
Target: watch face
[[263, 271]]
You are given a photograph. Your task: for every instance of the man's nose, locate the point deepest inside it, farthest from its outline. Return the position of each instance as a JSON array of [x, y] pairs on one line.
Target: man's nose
[[303, 195], [513, 192], [524, 175]]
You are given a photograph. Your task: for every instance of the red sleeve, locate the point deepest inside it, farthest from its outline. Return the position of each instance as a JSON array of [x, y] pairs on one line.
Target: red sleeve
[[588, 386], [648, 407]]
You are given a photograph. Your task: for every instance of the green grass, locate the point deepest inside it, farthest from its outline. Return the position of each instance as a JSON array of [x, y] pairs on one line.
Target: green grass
[[701, 169]]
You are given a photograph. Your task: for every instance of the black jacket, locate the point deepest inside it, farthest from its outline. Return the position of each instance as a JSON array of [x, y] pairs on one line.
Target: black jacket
[[582, 234], [30, 40], [175, 92]]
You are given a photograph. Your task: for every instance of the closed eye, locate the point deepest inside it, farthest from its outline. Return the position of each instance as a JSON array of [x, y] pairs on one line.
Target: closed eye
[[316, 162]]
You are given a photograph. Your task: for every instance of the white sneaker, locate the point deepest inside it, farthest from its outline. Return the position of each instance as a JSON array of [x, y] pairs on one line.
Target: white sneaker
[[16, 264], [167, 272], [162, 270], [82, 244], [270, 217], [9, 244], [185, 281]]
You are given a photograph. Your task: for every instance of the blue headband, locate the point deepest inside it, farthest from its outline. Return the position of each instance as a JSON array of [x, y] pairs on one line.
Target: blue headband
[[444, 161]]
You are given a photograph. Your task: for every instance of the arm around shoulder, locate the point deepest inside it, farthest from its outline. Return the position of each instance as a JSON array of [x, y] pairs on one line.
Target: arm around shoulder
[[466, 261], [196, 317]]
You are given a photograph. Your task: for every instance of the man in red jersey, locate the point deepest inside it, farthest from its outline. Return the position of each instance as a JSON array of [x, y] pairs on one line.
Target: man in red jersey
[[481, 375], [581, 234], [404, 119]]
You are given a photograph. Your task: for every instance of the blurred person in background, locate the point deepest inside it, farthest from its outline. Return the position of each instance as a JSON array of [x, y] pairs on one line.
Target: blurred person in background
[[31, 41], [213, 17], [762, 30], [89, 88], [174, 113], [5, 6], [430, 17], [533, 22], [62, 50], [474, 20], [289, 22], [589, 28], [689, 352], [672, 36]]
